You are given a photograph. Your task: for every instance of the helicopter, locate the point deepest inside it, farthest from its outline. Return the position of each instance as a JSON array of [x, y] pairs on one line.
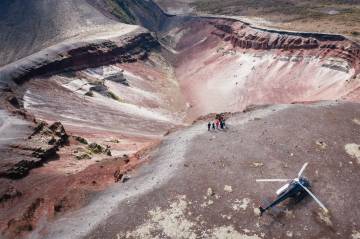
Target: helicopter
[[296, 188]]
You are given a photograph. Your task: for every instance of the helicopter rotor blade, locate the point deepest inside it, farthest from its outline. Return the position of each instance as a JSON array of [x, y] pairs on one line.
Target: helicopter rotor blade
[[302, 169], [272, 180], [313, 196]]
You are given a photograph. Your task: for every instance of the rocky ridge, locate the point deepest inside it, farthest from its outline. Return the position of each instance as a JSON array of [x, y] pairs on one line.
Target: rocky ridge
[[244, 36], [40, 146], [80, 55]]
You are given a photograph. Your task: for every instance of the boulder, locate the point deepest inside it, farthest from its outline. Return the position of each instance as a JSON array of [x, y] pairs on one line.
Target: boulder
[[9, 193]]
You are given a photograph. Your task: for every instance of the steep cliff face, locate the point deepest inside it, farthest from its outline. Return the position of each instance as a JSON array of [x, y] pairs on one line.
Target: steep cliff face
[[148, 14], [244, 36], [104, 41], [145, 13], [29, 26], [226, 65], [210, 56], [80, 55]]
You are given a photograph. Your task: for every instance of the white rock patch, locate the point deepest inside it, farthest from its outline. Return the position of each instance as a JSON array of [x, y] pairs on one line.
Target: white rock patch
[[228, 189], [257, 211], [171, 222], [207, 203], [209, 192], [355, 235], [353, 150], [289, 234], [241, 204], [356, 121], [228, 232]]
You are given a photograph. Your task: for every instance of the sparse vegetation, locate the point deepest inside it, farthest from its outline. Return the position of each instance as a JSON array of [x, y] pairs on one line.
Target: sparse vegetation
[[80, 139], [87, 153], [113, 96], [89, 93], [95, 148], [83, 156]]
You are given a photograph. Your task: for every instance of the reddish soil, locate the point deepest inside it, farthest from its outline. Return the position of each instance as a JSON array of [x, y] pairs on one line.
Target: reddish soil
[[46, 194]]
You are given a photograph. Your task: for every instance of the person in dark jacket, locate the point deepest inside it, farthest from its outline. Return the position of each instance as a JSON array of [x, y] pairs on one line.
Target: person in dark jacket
[[213, 126], [209, 126]]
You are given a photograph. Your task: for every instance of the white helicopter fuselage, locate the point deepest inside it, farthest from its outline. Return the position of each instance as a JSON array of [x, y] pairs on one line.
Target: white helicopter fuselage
[[282, 189]]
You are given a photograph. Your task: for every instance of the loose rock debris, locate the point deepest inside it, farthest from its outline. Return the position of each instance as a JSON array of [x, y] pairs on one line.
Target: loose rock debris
[[257, 164], [210, 192], [325, 217], [321, 144]]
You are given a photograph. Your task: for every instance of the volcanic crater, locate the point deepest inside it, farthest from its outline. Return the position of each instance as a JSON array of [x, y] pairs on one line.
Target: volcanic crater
[[104, 108]]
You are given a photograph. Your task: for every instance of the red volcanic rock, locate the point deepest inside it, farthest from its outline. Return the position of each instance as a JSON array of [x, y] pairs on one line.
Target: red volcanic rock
[[41, 145], [245, 36], [260, 66], [265, 41], [25, 222]]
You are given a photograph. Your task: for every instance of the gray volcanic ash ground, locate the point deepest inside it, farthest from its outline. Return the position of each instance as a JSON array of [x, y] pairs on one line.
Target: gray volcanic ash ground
[[104, 108]]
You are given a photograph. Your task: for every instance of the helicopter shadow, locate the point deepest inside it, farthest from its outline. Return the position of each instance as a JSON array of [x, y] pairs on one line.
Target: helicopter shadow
[[280, 213]]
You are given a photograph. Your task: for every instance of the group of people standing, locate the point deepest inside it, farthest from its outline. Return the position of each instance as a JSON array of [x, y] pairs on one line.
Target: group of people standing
[[219, 123]]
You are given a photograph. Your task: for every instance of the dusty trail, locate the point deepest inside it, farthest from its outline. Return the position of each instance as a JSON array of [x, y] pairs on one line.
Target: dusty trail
[[152, 176], [213, 194], [7, 126]]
